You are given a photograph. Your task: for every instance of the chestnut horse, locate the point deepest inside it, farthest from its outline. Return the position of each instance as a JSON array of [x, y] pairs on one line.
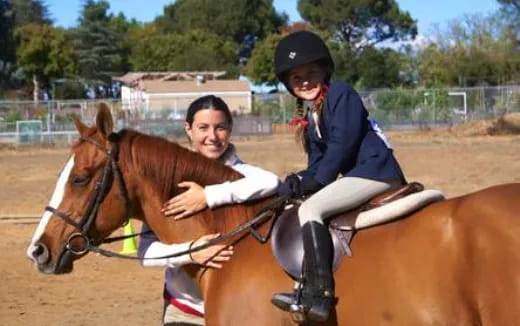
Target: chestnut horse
[[455, 262]]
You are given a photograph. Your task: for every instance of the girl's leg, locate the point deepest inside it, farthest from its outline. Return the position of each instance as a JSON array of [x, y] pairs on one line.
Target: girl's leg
[[339, 196], [317, 297]]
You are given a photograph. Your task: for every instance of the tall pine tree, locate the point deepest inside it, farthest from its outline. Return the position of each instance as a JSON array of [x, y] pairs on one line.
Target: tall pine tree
[[97, 45]]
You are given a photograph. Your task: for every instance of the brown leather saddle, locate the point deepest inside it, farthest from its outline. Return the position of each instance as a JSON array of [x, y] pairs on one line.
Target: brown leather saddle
[[286, 237]]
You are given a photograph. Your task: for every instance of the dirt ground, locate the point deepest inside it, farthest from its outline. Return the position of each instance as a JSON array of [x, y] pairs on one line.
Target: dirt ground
[[103, 291]]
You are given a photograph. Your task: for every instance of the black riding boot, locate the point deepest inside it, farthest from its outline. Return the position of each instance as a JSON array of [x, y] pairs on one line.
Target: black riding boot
[[317, 296]]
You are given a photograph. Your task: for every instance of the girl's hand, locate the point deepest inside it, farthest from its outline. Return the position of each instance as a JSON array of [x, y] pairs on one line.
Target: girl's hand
[[213, 256], [188, 203]]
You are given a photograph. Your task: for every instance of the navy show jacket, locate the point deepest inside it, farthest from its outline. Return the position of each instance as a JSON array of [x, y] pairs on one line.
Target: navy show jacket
[[348, 143]]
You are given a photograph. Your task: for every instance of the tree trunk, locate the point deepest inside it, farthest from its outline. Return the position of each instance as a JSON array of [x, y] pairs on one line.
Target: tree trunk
[[36, 94]]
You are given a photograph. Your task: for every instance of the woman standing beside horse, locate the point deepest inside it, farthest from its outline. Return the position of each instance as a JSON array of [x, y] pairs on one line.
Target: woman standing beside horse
[[208, 127]]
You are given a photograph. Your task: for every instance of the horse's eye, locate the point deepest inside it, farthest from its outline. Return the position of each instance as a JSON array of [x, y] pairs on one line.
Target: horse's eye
[[79, 180]]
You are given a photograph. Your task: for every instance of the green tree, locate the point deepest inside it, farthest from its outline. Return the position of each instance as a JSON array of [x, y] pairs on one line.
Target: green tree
[[70, 90], [379, 68], [374, 67], [121, 26], [510, 12], [260, 67], [7, 43], [193, 50], [396, 105], [30, 12], [359, 23], [15, 14], [473, 50], [435, 67], [345, 61], [10, 76], [512, 6], [97, 44], [408, 66], [43, 53], [242, 21]]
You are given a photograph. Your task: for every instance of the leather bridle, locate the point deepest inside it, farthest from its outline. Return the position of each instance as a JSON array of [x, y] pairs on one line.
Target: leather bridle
[[111, 171]]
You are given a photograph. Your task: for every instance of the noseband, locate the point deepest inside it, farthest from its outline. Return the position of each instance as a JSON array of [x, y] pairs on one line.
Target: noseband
[[110, 171]]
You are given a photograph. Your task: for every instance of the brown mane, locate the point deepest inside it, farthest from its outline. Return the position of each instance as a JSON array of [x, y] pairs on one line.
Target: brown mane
[[166, 163]]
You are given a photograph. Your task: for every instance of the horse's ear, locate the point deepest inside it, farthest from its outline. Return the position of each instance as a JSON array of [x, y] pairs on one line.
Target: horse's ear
[[104, 122], [80, 126]]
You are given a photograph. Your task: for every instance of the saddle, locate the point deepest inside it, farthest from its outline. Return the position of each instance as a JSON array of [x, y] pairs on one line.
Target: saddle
[[286, 237]]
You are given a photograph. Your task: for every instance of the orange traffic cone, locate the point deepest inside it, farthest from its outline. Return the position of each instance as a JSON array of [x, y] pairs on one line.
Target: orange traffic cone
[[129, 245]]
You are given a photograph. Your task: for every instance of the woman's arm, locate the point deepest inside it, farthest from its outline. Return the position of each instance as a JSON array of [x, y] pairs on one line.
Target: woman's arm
[[256, 183], [151, 247]]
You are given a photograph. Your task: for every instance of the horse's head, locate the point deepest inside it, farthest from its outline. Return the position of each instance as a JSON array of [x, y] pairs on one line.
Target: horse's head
[[86, 205]]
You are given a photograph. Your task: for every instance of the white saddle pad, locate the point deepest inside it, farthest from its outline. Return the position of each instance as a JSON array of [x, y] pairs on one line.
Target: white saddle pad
[[397, 208]]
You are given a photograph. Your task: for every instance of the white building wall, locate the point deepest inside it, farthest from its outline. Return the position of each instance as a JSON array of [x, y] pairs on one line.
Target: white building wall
[[136, 100]]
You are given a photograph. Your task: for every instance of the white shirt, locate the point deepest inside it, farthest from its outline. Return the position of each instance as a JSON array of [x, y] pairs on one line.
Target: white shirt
[[256, 183]]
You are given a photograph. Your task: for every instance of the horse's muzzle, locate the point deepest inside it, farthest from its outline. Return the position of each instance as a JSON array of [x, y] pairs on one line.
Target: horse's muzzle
[[41, 256]]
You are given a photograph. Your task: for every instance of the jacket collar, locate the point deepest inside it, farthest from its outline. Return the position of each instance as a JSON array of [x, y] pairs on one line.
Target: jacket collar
[[230, 157]]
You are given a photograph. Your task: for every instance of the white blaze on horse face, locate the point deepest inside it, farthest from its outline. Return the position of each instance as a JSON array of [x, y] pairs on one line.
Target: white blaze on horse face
[[55, 202]]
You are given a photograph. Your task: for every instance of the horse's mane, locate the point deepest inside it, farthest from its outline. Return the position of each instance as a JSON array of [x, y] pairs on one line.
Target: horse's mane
[[165, 163]]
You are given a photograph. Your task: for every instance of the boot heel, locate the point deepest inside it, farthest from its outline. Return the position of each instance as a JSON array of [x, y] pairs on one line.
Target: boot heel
[[320, 311]]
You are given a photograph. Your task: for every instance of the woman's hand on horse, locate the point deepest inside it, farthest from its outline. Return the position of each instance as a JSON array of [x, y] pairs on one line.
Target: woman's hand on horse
[[213, 256], [188, 203]]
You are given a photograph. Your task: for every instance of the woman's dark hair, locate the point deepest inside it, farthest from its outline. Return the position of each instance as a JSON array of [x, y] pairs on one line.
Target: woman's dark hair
[[208, 102]]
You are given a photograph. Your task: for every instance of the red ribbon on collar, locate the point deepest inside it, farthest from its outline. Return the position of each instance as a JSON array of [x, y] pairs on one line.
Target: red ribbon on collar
[[299, 121]]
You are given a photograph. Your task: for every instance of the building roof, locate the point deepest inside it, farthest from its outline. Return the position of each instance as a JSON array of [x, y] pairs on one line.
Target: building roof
[[133, 78], [183, 86]]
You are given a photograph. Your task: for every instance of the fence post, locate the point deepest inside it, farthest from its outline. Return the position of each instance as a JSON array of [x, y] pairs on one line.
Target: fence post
[[281, 103]]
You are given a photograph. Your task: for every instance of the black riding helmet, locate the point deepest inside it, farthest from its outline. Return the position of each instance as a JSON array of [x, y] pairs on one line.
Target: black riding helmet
[[301, 48]]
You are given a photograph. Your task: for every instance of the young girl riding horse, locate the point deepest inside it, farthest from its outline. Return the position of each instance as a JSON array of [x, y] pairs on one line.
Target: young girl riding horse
[[208, 126], [339, 139]]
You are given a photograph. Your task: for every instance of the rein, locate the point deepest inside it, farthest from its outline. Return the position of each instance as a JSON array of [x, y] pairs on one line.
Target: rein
[[111, 171], [270, 212]]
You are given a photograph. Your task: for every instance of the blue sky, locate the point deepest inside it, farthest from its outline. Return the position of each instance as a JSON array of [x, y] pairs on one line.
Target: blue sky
[[65, 12]]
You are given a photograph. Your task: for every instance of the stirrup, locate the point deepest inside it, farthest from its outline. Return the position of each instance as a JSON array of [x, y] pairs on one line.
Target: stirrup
[[292, 303], [318, 309], [289, 302], [284, 301]]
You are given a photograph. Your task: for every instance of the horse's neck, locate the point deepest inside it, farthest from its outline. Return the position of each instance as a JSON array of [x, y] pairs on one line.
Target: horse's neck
[[148, 188], [218, 220], [209, 221], [194, 167]]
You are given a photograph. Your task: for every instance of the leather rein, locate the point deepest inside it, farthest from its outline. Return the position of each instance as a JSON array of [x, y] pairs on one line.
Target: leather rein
[[112, 171]]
